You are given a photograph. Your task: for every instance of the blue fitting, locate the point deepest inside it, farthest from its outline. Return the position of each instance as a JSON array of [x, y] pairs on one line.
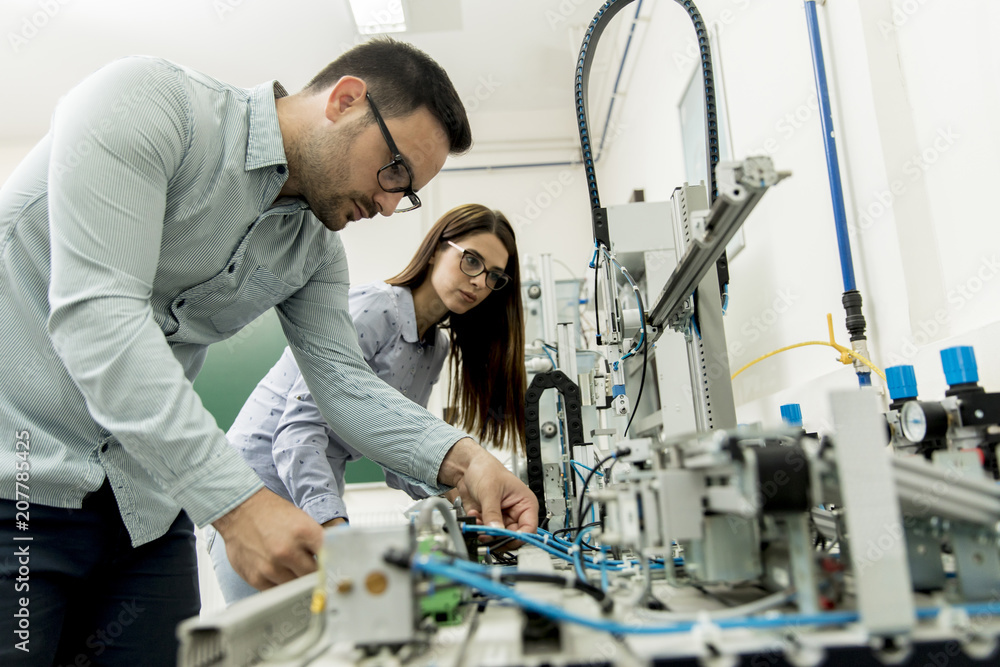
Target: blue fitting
[[902, 382], [864, 379], [617, 390], [791, 414], [959, 365]]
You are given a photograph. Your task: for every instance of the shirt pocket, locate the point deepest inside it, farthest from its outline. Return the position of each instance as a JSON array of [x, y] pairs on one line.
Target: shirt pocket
[[254, 296]]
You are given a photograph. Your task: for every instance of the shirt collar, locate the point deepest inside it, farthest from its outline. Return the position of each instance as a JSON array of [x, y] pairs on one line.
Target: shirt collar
[[264, 144], [404, 298]]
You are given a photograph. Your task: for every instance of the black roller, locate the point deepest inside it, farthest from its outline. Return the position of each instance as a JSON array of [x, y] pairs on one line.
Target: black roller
[[783, 479]]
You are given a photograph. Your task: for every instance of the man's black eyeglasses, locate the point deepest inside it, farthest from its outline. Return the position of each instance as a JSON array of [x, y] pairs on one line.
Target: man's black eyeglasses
[[395, 176]]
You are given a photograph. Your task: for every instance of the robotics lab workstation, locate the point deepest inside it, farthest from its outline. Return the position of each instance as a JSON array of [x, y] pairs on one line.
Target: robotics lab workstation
[[675, 536]]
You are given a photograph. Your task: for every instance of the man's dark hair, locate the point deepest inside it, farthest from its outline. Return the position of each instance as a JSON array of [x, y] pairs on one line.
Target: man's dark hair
[[401, 78]]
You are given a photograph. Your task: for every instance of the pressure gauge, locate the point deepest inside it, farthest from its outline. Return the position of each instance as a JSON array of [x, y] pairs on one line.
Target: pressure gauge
[[922, 421]]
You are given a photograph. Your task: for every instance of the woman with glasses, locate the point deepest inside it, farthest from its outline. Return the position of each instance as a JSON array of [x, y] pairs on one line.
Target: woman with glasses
[[460, 293]]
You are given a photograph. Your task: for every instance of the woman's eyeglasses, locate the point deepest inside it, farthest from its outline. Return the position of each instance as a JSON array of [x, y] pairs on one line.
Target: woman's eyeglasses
[[472, 265]]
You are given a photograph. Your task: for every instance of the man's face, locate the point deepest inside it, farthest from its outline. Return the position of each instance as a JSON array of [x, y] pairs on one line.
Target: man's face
[[339, 164]]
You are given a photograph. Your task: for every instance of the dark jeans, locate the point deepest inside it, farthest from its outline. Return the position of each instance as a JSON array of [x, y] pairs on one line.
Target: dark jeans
[[86, 595]]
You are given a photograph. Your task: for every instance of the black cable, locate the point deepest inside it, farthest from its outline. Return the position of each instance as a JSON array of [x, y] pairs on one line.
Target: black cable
[[505, 559], [581, 89], [642, 382], [613, 457], [493, 546], [586, 483], [585, 546], [573, 529], [597, 301], [397, 557], [607, 604]]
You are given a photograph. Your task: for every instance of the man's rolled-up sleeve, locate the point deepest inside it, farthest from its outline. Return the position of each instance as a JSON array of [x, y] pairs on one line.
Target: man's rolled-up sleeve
[[117, 140]]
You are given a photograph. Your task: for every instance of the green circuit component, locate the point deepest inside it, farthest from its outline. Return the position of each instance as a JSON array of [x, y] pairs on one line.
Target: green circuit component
[[444, 605], [443, 600]]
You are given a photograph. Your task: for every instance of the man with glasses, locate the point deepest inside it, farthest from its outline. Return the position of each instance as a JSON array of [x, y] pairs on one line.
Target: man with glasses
[[163, 212]]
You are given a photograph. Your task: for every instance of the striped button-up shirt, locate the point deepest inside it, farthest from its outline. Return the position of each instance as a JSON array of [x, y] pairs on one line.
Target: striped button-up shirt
[[281, 432], [146, 225]]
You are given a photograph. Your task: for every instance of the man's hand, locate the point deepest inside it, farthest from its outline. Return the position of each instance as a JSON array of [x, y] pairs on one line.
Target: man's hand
[[269, 540], [488, 489], [334, 522]]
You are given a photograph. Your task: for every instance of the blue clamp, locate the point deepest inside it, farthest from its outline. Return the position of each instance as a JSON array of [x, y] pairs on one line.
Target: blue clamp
[[617, 390], [902, 382], [959, 365], [791, 414]]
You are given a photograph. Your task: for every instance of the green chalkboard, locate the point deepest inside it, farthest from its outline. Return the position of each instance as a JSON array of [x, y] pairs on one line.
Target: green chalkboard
[[234, 367]]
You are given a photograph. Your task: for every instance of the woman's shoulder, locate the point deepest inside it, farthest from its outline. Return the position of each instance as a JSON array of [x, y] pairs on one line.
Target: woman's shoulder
[[376, 300], [370, 290], [371, 294]]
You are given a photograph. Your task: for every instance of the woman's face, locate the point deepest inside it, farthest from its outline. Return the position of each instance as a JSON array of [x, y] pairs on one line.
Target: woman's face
[[461, 293]]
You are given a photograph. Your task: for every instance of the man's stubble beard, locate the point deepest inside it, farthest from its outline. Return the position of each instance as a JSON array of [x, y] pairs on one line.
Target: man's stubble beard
[[323, 170]]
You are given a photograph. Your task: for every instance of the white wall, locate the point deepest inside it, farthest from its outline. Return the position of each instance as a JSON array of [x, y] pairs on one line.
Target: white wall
[[914, 84]]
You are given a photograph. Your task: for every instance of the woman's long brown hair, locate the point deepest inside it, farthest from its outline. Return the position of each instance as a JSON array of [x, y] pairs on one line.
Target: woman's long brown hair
[[487, 343]]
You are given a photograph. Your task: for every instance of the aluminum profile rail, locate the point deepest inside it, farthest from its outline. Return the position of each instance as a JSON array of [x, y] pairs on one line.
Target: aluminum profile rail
[[250, 630], [741, 186], [927, 490]]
